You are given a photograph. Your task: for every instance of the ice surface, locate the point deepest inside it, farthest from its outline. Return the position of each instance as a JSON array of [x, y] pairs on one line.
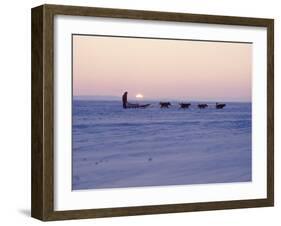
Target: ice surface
[[115, 147]]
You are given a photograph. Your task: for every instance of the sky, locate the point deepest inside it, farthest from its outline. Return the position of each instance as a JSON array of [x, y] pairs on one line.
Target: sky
[[161, 69]]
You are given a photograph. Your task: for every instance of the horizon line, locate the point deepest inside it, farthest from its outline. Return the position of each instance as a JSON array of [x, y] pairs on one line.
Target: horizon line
[[116, 98]]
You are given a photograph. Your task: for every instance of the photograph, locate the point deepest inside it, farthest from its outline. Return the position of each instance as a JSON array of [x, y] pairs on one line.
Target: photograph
[[137, 112], [160, 112]]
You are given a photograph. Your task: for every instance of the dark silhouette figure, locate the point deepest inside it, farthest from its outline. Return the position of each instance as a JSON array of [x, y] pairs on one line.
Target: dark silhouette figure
[[125, 99], [165, 104], [202, 106], [126, 104], [220, 106], [184, 105]]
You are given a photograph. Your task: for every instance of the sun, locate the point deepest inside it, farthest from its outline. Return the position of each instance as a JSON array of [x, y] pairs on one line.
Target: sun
[[139, 96]]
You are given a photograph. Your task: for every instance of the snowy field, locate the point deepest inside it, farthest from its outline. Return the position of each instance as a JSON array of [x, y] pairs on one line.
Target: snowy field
[[115, 147]]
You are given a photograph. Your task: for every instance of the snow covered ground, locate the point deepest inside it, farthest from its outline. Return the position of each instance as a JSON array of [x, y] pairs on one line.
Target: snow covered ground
[[115, 147]]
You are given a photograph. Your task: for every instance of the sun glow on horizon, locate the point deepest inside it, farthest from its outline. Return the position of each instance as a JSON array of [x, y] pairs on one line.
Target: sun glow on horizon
[[139, 96]]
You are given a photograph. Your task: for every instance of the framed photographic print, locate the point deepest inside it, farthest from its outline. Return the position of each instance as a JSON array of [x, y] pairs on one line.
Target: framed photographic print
[[141, 112]]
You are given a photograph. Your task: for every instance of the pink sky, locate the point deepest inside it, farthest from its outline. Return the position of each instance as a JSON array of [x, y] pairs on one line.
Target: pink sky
[[161, 69]]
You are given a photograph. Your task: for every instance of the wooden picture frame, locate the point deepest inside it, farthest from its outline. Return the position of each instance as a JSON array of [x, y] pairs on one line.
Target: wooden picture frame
[[43, 112]]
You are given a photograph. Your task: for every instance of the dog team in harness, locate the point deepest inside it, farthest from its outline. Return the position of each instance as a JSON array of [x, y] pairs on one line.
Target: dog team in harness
[[126, 104]]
